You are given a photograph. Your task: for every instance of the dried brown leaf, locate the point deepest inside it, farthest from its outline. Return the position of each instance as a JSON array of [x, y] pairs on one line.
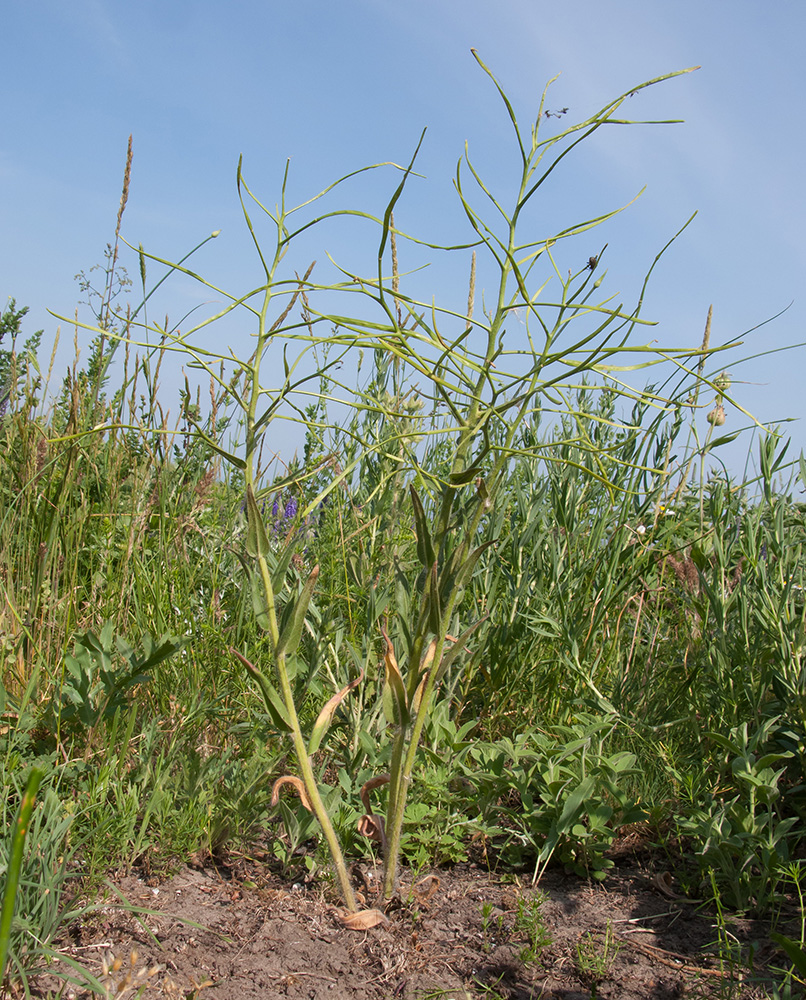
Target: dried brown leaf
[[290, 779], [361, 921], [372, 826], [326, 715], [426, 888], [663, 883], [371, 785]]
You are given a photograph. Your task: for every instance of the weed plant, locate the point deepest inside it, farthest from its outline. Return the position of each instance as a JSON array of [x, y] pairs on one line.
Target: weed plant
[[596, 956], [500, 591]]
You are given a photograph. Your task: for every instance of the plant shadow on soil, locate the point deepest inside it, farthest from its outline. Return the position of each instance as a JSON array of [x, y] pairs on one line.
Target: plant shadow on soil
[[236, 931]]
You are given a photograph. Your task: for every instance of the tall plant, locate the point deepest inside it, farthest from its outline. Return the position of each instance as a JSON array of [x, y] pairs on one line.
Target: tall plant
[[489, 389]]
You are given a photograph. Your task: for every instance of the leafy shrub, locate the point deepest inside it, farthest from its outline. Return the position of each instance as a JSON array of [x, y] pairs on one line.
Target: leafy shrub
[[572, 797], [740, 840]]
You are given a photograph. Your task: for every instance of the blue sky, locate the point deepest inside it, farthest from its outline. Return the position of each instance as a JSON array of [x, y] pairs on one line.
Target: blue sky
[[335, 86]]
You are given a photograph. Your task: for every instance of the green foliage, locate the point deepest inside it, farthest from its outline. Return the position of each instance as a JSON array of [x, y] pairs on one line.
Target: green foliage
[[491, 392], [595, 956], [13, 864], [531, 925], [501, 594], [38, 859], [528, 927], [19, 374], [95, 687], [572, 796], [740, 840]]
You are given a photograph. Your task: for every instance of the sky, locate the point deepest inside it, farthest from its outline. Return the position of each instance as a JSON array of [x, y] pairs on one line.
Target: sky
[[331, 87]]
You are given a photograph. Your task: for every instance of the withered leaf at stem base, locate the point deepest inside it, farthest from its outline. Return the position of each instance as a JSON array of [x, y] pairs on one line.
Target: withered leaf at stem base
[[361, 921]]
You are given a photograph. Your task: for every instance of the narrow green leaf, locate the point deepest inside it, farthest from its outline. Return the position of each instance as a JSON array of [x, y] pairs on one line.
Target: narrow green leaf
[[257, 543], [292, 628], [272, 698], [465, 571], [449, 655], [387, 216], [463, 478], [259, 605], [395, 704], [506, 101], [17, 846], [278, 574], [425, 547], [434, 604], [795, 952], [325, 717], [723, 439]]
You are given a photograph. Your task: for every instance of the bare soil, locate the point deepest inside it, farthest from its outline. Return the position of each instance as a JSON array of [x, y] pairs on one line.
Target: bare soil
[[238, 932]]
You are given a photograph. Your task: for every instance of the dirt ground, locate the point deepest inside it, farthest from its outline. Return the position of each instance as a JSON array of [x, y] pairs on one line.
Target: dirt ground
[[237, 932]]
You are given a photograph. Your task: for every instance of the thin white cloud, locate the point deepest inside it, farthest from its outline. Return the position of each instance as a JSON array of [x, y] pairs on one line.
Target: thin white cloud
[[98, 26]]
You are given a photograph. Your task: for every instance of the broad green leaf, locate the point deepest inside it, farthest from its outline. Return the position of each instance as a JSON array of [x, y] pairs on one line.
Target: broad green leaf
[[772, 758], [152, 653], [795, 951], [292, 630], [574, 803]]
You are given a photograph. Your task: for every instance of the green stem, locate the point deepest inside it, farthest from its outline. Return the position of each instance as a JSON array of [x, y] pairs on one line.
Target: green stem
[[401, 777], [300, 749], [312, 789], [15, 865]]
